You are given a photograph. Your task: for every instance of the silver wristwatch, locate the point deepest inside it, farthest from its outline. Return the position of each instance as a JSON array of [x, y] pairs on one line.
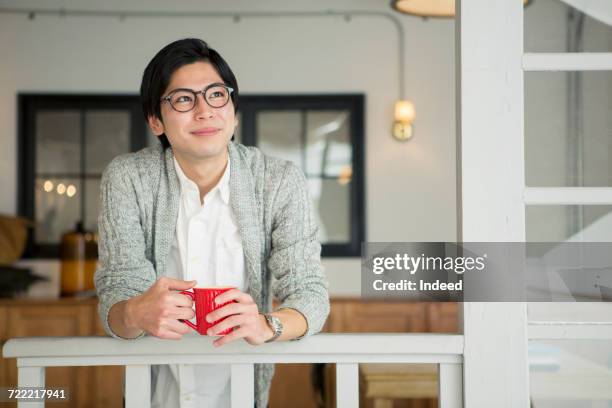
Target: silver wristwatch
[[275, 324]]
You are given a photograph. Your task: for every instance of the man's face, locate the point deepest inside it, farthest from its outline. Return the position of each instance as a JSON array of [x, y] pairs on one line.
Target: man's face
[[204, 132]]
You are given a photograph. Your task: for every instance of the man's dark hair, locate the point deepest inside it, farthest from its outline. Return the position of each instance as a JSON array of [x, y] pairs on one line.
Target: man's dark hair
[[157, 74]]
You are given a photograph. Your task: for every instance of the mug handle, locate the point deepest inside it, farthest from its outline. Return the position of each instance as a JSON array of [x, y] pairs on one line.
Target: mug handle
[[187, 322]]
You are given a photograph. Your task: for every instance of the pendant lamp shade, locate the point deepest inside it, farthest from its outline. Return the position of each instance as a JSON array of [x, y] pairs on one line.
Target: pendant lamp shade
[[428, 8]]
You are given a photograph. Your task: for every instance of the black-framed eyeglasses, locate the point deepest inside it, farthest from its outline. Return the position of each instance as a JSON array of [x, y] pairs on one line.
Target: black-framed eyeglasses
[[216, 95]]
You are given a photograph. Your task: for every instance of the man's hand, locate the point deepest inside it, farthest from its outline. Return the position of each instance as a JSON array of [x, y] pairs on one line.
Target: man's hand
[[244, 317], [158, 309]]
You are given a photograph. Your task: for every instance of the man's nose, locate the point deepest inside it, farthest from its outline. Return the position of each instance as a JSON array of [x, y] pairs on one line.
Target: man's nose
[[202, 109]]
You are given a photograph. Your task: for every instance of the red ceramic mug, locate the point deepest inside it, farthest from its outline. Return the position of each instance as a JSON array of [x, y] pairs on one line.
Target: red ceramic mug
[[204, 299]]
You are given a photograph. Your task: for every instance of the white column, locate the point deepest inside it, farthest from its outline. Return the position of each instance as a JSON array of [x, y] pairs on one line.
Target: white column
[[30, 377], [347, 385], [243, 385], [490, 161], [450, 385], [138, 386]]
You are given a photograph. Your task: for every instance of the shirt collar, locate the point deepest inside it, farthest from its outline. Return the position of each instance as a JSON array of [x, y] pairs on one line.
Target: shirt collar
[[222, 186]]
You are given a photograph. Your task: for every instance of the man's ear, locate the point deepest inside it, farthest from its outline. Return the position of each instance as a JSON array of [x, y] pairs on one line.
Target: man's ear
[[156, 125]]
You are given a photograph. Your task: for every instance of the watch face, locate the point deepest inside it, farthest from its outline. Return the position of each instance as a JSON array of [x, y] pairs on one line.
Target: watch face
[[278, 326], [275, 325]]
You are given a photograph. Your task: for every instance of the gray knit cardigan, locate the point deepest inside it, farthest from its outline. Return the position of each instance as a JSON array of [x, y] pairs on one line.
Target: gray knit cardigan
[[140, 199]]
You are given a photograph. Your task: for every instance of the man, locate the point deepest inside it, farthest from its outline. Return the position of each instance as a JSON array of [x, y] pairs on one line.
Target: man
[[202, 210]]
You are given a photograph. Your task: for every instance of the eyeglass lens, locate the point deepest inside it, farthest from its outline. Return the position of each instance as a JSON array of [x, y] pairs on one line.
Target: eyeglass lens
[[185, 100]]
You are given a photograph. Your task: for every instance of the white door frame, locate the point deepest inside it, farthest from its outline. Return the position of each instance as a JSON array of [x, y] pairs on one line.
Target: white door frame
[[489, 48], [492, 195]]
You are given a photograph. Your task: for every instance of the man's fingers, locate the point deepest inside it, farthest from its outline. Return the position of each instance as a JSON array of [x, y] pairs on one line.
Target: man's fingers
[[228, 323], [227, 310], [177, 327], [182, 313], [181, 300], [176, 284], [170, 329], [235, 335], [233, 294]]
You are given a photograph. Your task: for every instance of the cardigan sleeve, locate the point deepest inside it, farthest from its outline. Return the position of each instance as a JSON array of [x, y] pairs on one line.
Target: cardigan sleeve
[[123, 269], [295, 255]]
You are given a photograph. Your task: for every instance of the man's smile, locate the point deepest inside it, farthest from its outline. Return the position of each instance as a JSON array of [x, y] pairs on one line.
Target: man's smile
[[205, 131]]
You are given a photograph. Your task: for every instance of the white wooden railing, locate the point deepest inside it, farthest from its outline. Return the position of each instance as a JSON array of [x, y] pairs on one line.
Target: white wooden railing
[[346, 350]]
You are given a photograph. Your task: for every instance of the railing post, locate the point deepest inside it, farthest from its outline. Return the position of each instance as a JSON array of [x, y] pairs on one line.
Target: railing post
[[138, 386], [450, 385], [30, 377], [347, 385], [243, 385]]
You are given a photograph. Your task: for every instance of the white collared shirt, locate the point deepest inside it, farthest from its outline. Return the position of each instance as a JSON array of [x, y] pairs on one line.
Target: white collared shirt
[[207, 248]]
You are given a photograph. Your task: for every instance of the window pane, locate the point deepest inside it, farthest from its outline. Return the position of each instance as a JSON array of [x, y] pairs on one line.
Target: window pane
[[238, 132], [331, 199], [107, 134], [58, 142], [568, 141], [552, 25], [570, 373], [328, 144], [328, 157], [552, 223], [58, 207], [279, 134], [589, 223], [92, 204], [316, 133]]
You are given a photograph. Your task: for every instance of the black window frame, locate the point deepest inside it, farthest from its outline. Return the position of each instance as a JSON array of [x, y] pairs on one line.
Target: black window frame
[[249, 105], [28, 105]]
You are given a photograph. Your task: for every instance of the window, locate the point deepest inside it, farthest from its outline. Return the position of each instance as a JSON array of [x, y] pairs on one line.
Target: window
[[323, 135], [65, 142]]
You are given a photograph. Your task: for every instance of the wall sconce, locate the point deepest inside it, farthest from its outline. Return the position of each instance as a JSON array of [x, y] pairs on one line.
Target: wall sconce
[[404, 118]]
